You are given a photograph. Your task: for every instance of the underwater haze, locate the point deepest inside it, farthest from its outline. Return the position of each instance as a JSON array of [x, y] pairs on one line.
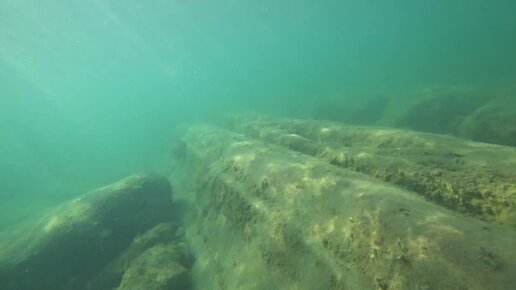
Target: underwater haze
[[92, 90]]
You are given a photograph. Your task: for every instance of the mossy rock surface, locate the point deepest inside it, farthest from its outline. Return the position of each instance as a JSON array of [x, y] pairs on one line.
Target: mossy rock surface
[[268, 217], [471, 178], [158, 268]]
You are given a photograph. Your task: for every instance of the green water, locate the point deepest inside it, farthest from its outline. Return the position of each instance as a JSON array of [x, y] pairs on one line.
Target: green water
[[91, 91]]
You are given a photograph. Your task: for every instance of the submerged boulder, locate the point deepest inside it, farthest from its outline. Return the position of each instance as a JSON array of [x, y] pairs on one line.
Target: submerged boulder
[[440, 114], [492, 123], [69, 247], [479, 118]]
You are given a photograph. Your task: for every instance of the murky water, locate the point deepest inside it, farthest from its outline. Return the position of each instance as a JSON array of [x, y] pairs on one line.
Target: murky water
[[92, 91]]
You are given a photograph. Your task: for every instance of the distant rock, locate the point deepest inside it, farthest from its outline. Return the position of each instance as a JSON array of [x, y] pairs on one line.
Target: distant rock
[[440, 114], [492, 123], [483, 119]]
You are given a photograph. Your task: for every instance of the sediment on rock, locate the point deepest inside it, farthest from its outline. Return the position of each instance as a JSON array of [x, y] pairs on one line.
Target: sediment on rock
[[474, 178], [68, 248], [270, 218]]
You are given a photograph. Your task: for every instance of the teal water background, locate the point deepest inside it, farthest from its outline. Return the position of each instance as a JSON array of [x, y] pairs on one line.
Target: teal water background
[[91, 90]]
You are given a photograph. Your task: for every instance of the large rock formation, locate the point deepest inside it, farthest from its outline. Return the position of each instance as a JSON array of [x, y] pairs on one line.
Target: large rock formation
[[268, 217]]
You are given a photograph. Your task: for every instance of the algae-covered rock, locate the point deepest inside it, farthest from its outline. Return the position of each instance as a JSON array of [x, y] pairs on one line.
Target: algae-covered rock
[[111, 275], [139, 266], [67, 248], [267, 217], [473, 178], [158, 268]]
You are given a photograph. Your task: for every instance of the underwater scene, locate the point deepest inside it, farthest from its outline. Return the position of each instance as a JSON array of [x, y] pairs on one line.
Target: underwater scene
[[245, 144]]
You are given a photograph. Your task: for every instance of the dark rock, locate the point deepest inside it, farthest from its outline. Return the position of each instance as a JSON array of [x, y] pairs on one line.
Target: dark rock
[[492, 123], [69, 247]]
